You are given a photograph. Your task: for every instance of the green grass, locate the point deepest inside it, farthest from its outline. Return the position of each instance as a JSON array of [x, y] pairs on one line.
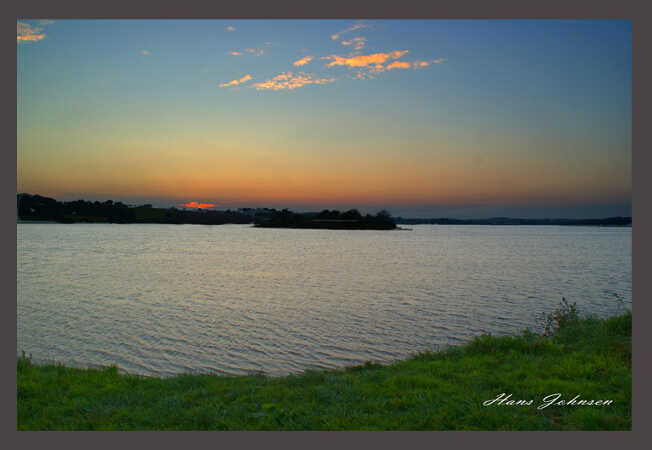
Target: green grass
[[430, 391]]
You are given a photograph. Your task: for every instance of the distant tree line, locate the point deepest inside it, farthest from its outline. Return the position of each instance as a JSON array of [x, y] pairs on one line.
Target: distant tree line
[[331, 219], [36, 207], [610, 221]]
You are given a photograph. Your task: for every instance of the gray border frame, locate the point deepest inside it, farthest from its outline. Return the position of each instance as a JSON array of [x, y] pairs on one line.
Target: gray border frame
[[641, 37]]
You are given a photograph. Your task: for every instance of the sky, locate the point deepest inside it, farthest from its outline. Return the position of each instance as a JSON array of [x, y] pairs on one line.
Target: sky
[[424, 118]]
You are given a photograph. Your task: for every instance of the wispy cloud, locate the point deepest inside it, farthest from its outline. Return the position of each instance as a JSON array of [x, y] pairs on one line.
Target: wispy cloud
[[370, 65], [230, 28], [255, 51], [303, 61], [288, 80], [357, 26], [367, 66], [27, 33], [237, 82], [363, 60], [145, 52], [46, 22], [420, 63], [251, 51], [357, 42], [398, 65]]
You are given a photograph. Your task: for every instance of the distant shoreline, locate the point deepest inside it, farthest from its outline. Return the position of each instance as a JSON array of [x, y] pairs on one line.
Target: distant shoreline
[[38, 209], [608, 221], [470, 223]]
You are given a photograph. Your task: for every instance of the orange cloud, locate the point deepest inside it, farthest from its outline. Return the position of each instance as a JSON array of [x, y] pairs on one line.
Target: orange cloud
[[398, 65], [30, 38], [230, 28], [198, 205], [357, 42], [145, 52], [364, 60], [234, 53], [302, 61], [288, 80], [369, 71], [236, 82], [26, 33], [437, 61], [283, 76]]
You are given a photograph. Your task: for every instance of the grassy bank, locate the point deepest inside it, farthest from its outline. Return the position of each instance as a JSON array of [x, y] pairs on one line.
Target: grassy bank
[[432, 391]]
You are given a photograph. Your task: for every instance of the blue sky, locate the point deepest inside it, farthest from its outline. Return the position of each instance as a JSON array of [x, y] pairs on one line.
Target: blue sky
[[469, 118]]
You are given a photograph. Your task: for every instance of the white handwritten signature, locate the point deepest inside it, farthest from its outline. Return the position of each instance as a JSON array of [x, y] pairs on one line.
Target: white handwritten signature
[[549, 400]]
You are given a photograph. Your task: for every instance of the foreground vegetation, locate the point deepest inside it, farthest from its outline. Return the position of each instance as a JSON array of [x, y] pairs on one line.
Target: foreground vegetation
[[431, 391]]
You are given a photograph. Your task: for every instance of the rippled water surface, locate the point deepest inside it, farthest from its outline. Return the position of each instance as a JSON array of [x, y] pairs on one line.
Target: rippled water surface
[[166, 299]]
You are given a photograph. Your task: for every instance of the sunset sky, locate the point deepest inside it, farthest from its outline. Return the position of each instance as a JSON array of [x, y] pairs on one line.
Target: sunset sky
[[425, 118]]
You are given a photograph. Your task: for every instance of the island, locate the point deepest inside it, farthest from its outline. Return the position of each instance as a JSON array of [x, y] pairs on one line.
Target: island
[[327, 219]]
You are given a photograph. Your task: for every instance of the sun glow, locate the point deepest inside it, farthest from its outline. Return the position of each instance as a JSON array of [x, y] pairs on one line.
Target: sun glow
[[199, 205]]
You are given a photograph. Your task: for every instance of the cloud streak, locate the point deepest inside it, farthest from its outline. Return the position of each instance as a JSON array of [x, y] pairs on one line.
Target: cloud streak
[[367, 65], [145, 52], [289, 81], [357, 26], [303, 61], [237, 81], [251, 51], [230, 28], [27, 33], [398, 65], [363, 60], [375, 63], [357, 42]]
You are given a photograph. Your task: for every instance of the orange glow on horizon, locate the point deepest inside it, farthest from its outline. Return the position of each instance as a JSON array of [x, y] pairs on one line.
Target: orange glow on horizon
[[198, 205]]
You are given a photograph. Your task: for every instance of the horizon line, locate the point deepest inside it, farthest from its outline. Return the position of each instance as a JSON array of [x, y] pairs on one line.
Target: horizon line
[[215, 208]]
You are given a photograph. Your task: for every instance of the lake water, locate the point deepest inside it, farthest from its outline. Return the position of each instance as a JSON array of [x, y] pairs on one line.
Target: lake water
[[167, 299]]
